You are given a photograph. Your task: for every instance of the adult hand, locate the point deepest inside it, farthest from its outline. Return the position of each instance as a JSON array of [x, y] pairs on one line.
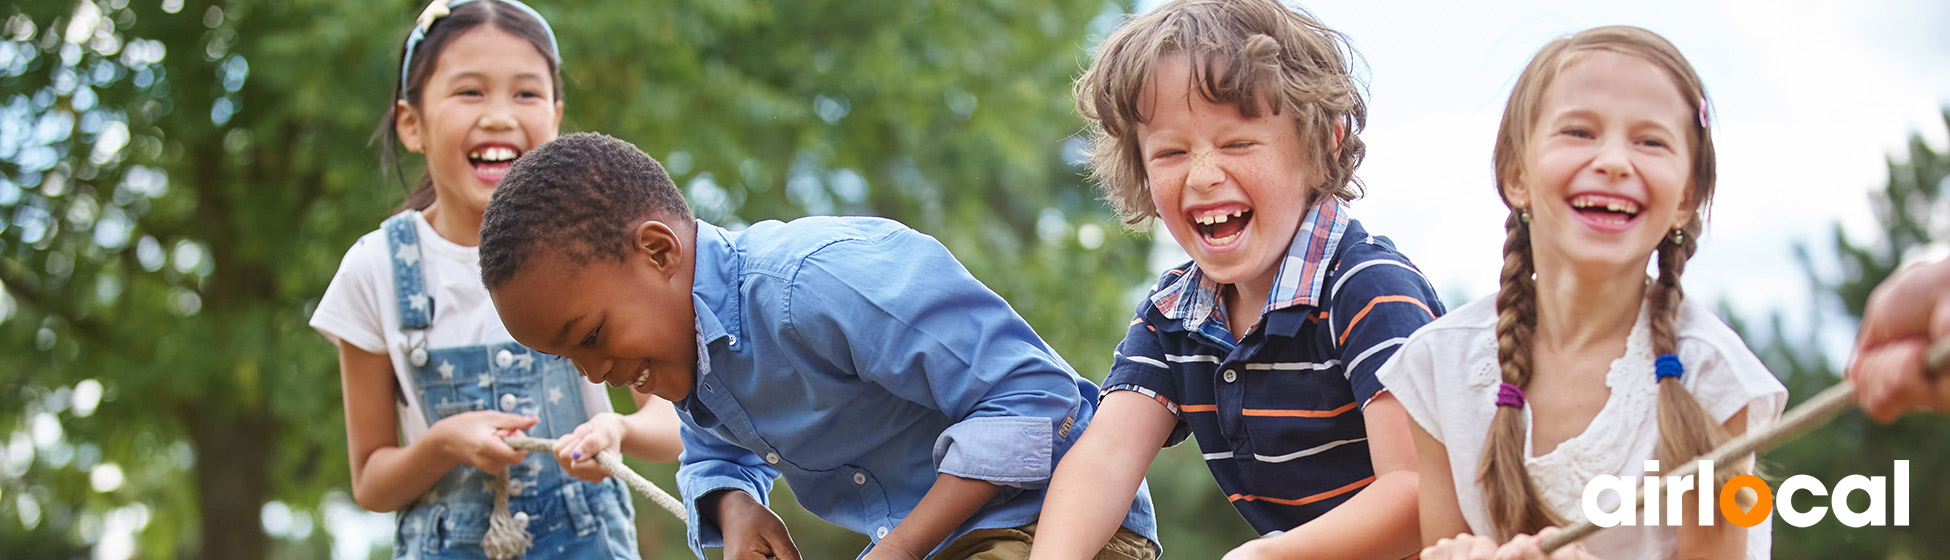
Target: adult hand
[[1905, 315]]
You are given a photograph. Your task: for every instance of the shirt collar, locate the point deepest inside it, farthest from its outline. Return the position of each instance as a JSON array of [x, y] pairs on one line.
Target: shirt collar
[[1193, 297], [714, 286]]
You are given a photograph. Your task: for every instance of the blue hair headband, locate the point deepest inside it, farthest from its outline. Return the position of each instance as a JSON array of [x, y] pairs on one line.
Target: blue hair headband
[[440, 8]]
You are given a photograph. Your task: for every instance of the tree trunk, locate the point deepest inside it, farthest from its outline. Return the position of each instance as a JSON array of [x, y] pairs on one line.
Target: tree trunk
[[232, 468]]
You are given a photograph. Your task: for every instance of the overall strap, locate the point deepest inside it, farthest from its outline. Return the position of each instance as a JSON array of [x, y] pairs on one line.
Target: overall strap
[[403, 246]]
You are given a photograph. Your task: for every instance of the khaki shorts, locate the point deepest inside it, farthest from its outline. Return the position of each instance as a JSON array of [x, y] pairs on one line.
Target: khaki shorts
[[1013, 544]]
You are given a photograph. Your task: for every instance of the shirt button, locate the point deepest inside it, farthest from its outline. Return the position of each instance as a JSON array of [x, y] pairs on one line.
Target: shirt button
[[880, 533], [418, 356], [521, 518], [507, 402], [504, 358], [859, 478], [1231, 376], [772, 458]]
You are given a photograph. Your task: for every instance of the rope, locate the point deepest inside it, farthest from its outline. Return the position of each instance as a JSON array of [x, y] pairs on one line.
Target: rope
[[507, 535], [614, 464], [1824, 406]]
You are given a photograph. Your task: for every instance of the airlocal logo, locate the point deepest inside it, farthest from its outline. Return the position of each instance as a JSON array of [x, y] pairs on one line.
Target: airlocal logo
[[1676, 488]]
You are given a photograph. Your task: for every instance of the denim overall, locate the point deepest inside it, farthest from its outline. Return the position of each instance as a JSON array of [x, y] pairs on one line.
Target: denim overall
[[568, 518]]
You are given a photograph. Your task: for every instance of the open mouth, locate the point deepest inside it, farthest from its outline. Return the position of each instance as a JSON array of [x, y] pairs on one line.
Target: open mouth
[[642, 377], [491, 161], [1220, 228], [1605, 209]]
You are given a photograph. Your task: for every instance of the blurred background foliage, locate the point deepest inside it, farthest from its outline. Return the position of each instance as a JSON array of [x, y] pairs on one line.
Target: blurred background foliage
[[179, 179]]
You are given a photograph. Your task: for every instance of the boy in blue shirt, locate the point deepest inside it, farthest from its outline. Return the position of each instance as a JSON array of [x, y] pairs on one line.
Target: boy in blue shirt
[[854, 356]]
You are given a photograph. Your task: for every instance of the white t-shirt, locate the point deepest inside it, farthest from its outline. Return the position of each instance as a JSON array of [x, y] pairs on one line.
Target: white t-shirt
[[361, 308], [1447, 376]]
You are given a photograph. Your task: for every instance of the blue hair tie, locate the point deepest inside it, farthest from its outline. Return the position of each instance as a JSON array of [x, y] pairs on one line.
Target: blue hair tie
[[441, 8], [1667, 365]]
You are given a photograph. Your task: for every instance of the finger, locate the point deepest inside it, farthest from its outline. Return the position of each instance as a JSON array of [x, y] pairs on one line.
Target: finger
[[506, 421], [1522, 547], [1482, 548], [589, 472], [789, 551], [1890, 379]]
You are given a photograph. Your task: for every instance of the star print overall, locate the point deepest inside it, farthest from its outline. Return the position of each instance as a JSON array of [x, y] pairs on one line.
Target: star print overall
[[568, 518]]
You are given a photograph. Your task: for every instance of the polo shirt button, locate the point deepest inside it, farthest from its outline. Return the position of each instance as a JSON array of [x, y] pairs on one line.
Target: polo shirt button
[[859, 478], [507, 402], [419, 357], [881, 533], [772, 458], [1231, 376], [504, 358]]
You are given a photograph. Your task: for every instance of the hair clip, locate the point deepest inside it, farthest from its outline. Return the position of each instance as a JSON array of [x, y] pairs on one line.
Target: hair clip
[[1509, 395], [1667, 365], [435, 10]]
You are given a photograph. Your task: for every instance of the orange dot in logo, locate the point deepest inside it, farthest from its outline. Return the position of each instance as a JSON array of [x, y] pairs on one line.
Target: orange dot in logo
[[1730, 506]]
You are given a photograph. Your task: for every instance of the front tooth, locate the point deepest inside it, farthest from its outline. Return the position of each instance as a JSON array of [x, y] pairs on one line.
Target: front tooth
[[1219, 219]]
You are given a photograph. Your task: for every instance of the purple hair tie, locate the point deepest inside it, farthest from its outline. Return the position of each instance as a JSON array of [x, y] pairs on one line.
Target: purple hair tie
[[1509, 395], [1667, 365]]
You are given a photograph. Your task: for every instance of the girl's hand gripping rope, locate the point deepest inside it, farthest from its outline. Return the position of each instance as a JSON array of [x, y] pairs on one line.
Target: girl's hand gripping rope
[[1817, 410]]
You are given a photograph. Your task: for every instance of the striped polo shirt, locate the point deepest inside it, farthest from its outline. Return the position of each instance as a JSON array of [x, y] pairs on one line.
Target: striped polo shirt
[[1278, 413]]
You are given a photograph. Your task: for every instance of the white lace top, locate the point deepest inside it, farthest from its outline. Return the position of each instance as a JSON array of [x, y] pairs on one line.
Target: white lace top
[[1446, 376]]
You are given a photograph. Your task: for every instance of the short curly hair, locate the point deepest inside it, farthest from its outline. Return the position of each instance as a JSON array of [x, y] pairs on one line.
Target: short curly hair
[[1265, 49], [579, 195]]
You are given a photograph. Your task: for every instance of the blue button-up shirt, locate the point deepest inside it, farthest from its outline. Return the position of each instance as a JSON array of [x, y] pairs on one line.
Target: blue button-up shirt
[[859, 359]]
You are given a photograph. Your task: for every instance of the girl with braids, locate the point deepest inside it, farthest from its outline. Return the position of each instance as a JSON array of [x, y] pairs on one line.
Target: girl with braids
[[432, 379], [1580, 365]]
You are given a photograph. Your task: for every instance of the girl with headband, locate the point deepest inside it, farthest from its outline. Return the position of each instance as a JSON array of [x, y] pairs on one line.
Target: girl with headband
[[432, 380]]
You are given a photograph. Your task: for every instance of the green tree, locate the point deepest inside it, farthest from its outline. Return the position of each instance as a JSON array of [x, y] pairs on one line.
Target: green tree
[[1910, 212], [179, 179]]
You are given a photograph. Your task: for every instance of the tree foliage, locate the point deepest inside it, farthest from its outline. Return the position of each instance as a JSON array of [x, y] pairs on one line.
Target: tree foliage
[[179, 179], [1910, 211]]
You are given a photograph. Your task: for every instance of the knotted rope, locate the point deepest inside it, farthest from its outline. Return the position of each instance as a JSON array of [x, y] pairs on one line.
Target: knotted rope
[[508, 536], [1824, 406]]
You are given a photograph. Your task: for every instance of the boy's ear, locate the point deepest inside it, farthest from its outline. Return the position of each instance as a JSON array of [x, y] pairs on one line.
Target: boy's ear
[[406, 125], [659, 245], [1340, 135]]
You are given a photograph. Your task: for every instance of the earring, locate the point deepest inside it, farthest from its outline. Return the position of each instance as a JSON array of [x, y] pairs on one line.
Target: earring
[[1523, 214], [1678, 236]]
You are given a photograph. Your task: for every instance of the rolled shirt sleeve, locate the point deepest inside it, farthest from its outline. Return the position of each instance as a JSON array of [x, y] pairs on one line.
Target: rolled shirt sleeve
[[709, 464], [925, 329]]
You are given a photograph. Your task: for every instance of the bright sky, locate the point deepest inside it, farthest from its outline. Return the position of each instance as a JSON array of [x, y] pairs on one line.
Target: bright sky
[[1810, 97]]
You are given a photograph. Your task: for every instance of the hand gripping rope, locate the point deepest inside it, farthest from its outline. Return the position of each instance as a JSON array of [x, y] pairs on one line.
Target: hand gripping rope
[[508, 537], [1818, 410]]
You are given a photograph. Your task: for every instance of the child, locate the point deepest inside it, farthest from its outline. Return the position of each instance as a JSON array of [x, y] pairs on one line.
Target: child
[[1906, 314], [900, 397], [1580, 366], [416, 333], [1236, 125]]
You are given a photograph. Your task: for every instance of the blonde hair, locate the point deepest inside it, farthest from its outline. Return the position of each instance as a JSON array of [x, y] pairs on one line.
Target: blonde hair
[[1685, 429], [1240, 50]]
